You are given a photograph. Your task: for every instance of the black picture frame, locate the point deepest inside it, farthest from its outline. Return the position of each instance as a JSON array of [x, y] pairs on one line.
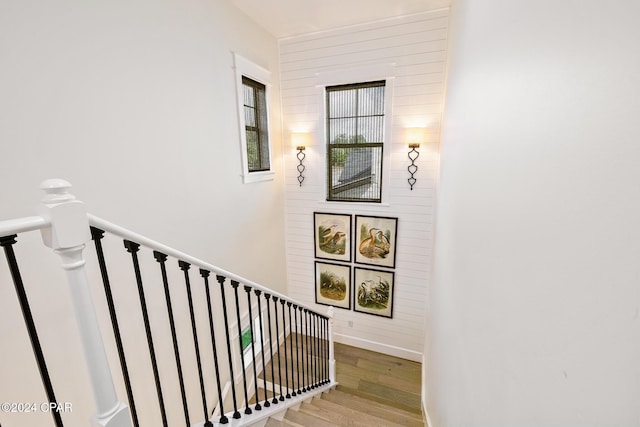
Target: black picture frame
[[376, 240], [373, 291], [332, 235], [333, 284]]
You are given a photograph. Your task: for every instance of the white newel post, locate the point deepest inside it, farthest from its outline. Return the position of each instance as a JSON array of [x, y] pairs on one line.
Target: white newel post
[[67, 236], [332, 360]]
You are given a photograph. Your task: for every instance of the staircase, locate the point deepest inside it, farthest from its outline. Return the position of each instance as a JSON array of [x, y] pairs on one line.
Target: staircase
[[374, 390], [338, 407]]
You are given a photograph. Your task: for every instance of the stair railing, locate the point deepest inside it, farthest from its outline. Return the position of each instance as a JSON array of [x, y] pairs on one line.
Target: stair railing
[[278, 337]]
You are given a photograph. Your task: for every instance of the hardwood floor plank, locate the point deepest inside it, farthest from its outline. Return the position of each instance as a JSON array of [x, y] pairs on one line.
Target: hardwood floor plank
[[345, 414], [400, 384], [398, 396], [378, 409], [306, 420]]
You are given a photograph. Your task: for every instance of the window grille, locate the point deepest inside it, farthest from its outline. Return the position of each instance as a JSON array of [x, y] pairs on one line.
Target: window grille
[[355, 139], [256, 126]]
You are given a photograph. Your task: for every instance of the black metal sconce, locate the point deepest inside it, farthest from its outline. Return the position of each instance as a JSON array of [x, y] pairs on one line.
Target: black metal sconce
[[301, 157], [413, 168]]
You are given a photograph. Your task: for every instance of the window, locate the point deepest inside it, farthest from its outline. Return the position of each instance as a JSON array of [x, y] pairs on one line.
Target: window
[[355, 139], [252, 85], [251, 342], [255, 124]]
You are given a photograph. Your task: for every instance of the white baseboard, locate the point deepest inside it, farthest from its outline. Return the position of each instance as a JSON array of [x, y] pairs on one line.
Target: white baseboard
[[425, 415], [378, 347]]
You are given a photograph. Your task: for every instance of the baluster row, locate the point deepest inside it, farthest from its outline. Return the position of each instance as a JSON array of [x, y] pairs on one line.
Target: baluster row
[[285, 326]]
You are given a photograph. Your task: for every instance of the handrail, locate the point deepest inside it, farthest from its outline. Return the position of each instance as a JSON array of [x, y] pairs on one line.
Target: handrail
[[167, 250], [20, 225]]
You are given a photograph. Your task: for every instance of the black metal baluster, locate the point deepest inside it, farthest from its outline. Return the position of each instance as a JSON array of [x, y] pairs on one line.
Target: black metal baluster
[[309, 349], [258, 407], [295, 318], [320, 363], [320, 352], [291, 336], [284, 343], [325, 348], [185, 266], [275, 306], [325, 323], [247, 410], [304, 356], [7, 243], [97, 235], [311, 370], [221, 280], [264, 367], [273, 377], [319, 348], [205, 274], [161, 259], [314, 333], [328, 339], [133, 249]]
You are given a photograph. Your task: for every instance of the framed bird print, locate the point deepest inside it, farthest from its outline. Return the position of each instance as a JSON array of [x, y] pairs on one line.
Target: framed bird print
[[333, 284], [376, 240], [373, 292], [332, 236]]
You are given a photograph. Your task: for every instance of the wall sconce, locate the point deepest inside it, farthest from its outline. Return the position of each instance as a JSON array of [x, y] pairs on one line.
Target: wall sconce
[[300, 141], [414, 136]]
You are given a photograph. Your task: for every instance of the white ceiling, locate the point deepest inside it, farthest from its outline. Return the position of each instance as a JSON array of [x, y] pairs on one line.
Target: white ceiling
[[285, 18]]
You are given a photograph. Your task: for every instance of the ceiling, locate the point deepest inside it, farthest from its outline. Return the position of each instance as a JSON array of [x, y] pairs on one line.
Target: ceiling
[[285, 18]]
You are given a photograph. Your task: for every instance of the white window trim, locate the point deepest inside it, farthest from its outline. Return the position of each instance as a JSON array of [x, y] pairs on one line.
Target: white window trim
[[359, 75], [245, 67]]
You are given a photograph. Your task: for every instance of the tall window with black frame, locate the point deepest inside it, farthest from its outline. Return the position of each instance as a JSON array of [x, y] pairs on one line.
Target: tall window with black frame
[[355, 139], [256, 126]]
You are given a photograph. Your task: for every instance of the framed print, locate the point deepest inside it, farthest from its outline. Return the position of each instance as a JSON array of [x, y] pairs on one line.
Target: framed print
[[373, 292], [376, 240], [332, 234], [333, 284]]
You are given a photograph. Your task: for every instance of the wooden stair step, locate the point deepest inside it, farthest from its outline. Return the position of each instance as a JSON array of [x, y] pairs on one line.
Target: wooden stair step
[[272, 422], [380, 410], [346, 416], [304, 419], [335, 418], [386, 398]]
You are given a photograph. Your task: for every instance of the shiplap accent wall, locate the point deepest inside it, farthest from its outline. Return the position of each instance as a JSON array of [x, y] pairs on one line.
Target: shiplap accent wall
[[410, 51]]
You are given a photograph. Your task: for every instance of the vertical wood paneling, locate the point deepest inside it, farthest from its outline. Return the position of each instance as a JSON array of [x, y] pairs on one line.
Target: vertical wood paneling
[[415, 46]]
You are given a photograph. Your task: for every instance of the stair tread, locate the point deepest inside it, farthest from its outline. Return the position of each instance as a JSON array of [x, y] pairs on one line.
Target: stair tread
[[347, 416], [395, 401], [334, 418], [377, 409], [306, 420], [272, 422]]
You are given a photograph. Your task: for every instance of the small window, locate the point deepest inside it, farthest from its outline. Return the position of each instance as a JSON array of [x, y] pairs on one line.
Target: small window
[[355, 139], [256, 125], [252, 88], [251, 341], [246, 338]]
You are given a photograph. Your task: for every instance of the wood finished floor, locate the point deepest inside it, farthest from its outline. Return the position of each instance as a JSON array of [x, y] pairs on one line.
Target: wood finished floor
[[379, 377]]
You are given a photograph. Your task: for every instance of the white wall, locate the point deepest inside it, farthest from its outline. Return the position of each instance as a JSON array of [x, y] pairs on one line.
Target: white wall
[[134, 103], [412, 51], [535, 293]]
